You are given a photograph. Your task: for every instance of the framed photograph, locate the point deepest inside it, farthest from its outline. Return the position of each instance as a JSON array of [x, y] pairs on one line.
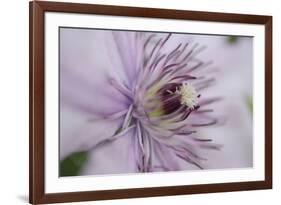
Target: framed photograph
[[139, 102]]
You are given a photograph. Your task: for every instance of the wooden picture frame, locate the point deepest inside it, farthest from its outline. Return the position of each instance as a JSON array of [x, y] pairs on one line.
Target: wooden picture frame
[[37, 10]]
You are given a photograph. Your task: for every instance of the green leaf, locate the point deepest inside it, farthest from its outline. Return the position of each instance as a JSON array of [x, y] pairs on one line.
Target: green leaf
[[249, 102], [71, 166], [232, 39]]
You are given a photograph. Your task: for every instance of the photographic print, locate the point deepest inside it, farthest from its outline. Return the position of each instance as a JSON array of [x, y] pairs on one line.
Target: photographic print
[[130, 102], [150, 101]]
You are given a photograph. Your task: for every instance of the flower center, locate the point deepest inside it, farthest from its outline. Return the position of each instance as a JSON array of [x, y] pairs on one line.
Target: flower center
[[188, 95], [171, 98]]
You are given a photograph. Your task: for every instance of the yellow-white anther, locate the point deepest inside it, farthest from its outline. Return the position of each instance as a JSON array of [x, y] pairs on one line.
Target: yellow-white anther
[[189, 96]]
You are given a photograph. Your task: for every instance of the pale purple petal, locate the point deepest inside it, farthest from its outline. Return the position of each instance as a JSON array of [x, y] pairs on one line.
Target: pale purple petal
[[88, 63], [130, 48], [113, 157], [79, 132], [234, 84]]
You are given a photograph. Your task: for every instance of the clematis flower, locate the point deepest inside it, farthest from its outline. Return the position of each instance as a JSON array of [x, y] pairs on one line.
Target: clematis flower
[[135, 101]]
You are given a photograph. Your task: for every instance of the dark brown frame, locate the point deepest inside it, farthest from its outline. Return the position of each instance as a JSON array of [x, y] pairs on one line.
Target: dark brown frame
[[37, 96]]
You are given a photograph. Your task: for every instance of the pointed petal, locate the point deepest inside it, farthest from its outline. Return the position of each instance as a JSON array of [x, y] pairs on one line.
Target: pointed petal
[[114, 157], [164, 159], [78, 133], [130, 48], [86, 68]]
